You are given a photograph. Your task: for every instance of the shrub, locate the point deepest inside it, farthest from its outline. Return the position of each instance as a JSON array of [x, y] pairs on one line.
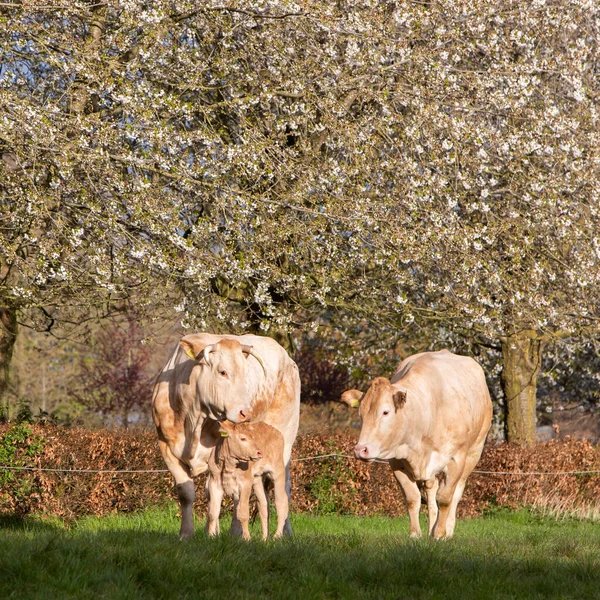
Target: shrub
[[339, 485], [19, 447]]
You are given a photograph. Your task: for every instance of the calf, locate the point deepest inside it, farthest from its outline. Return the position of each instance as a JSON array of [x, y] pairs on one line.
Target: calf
[[247, 456]]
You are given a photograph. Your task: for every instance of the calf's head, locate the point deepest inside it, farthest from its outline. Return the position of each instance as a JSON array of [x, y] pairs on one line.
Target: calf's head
[[221, 384], [379, 410], [241, 441]]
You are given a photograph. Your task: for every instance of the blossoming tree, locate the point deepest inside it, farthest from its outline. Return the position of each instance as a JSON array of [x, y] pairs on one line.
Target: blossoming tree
[[430, 164]]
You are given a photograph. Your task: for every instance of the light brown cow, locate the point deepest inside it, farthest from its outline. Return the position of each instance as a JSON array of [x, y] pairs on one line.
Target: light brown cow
[[430, 422], [210, 378], [249, 456]]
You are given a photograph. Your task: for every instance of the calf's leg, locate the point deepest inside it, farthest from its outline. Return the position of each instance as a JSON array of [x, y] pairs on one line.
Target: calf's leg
[[241, 509], [214, 493], [263, 505]]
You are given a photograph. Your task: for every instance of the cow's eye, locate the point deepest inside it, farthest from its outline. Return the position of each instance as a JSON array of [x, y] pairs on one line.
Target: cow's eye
[[243, 439], [386, 412], [223, 373]]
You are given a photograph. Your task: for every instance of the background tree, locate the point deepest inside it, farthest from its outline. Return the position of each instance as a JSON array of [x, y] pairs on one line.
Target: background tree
[[115, 382], [71, 246], [499, 158], [431, 167], [73, 379]]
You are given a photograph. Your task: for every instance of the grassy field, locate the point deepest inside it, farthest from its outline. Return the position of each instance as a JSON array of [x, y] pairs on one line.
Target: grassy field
[[506, 555]]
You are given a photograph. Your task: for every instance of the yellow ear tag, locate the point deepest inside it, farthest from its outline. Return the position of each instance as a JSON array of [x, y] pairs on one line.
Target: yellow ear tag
[[224, 434], [190, 352], [355, 403]]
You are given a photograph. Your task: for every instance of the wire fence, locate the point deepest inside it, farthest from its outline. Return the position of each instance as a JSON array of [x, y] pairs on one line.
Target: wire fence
[[306, 458]]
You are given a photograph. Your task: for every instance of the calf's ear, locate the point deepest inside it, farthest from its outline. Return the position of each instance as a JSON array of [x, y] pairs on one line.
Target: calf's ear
[[352, 398], [225, 428], [399, 398]]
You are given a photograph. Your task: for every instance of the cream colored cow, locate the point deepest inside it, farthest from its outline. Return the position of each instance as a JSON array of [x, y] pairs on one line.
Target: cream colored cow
[[210, 378], [248, 457], [429, 422]]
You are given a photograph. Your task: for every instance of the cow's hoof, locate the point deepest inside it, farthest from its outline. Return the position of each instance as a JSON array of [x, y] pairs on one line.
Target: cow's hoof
[[440, 537]]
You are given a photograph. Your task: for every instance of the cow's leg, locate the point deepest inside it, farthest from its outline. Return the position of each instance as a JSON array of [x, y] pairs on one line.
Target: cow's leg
[[412, 495], [470, 463], [451, 520], [282, 506], [263, 505], [431, 489], [445, 497], [287, 527], [266, 487], [185, 489], [186, 494], [214, 493]]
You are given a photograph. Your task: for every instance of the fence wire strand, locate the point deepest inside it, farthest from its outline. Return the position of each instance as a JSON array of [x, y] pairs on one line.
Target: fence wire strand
[[306, 458]]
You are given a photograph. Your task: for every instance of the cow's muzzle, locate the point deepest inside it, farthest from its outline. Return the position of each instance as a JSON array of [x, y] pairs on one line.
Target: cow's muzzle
[[242, 415], [362, 451]]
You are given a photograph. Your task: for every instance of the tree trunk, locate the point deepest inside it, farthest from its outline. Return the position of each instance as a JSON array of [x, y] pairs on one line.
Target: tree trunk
[[8, 336], [522, 358], [79, 91]]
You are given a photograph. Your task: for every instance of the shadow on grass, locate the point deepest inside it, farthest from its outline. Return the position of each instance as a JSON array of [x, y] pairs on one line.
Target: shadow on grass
[[144, 561], [17, 523]]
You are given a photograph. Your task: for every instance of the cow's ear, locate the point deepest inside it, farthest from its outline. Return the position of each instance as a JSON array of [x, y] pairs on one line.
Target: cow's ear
[[352, 398], [189, 347], [399, 398]]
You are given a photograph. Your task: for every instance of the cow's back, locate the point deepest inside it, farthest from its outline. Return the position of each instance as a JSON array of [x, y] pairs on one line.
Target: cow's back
[[450, 392]]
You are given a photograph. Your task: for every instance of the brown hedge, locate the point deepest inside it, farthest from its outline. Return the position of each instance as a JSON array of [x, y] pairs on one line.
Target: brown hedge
[[327, 485]]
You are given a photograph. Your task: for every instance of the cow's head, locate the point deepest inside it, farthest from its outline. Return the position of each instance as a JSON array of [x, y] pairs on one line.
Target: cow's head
[[221, 385], [241, 442], [379, 410]]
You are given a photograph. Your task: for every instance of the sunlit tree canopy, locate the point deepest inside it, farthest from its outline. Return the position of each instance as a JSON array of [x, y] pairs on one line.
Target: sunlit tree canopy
[[424, 165]]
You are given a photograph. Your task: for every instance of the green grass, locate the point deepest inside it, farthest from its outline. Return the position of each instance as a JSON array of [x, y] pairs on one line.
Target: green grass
[[505, 555]]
